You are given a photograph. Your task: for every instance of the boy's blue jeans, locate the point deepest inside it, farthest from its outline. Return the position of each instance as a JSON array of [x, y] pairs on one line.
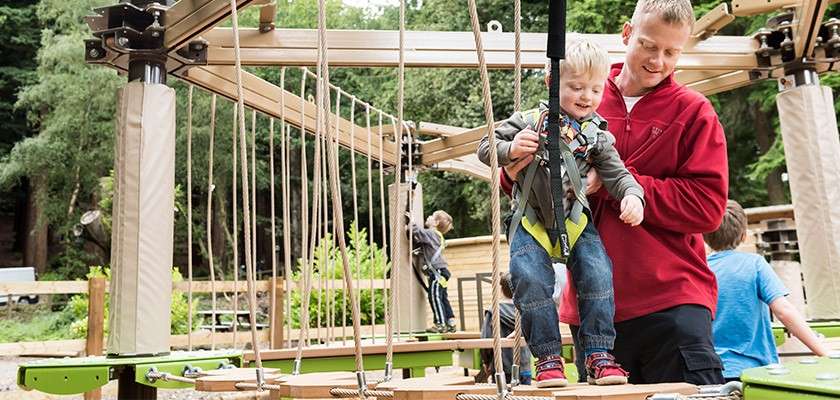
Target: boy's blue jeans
[[532, 279]]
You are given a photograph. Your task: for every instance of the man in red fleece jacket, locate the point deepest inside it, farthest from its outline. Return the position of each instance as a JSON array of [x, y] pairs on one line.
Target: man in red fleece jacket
[[672, 142]]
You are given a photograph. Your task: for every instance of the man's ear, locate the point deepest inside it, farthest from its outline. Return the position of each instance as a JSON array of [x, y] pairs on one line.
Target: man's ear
[[626, 30]]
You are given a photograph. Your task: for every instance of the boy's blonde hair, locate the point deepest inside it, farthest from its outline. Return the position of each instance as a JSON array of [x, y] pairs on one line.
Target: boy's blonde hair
[[440, 220], [583, 57], [732, 228], [671, 11]]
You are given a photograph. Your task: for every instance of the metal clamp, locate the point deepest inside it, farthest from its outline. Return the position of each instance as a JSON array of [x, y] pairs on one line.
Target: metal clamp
[[514, 375], [360, 379], [389, 372], [501, 386]]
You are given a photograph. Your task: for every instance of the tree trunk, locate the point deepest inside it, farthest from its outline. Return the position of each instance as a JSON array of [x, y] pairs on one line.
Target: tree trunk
[[765, 136], [36, 240]]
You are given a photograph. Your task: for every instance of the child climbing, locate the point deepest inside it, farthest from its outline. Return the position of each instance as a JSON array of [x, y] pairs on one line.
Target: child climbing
[[429, 256], [551, 205]]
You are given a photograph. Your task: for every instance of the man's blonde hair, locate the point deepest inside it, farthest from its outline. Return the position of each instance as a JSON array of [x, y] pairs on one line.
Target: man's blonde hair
[[583, 57], [440, 220], [677, 12]]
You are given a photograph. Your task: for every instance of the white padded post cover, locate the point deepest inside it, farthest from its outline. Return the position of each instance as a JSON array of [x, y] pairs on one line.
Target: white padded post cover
[[142, 226], [812, 151], [411, 295]]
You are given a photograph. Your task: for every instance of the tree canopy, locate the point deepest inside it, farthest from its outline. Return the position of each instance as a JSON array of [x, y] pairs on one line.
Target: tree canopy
[[58, 115]]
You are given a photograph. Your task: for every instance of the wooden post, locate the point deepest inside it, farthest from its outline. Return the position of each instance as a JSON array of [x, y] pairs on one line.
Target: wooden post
[[96, 325], [277, 322]]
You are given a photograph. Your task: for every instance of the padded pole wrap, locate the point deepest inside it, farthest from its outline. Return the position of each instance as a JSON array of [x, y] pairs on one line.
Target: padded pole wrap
[[142, 225], [411, 295], [812, 151]]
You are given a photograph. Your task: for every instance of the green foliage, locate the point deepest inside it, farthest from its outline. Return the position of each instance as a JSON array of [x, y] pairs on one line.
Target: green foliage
[[21, 31], [365, 261]]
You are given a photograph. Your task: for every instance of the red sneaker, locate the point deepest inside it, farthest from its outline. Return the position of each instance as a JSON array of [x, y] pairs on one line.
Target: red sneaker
[[550, 372], [601, 369]]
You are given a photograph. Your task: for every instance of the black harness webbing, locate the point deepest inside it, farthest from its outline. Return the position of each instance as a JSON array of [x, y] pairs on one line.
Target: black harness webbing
[[558, 151]]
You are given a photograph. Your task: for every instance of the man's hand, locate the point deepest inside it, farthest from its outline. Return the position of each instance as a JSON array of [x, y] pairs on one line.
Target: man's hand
[[632, 211], [593, 182], [524, 143], [512, 170]]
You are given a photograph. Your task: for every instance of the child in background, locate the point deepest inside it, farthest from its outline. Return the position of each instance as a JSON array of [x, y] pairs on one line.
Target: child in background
[[429, 254], [747, 285]]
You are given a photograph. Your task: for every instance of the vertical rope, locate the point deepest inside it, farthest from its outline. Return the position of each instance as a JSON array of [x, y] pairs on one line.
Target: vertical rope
[[189, 219], [494, 184], [304, 218], [517, 106], [356, 260], [338, 156], [332, 156], [392, 295], [355, 211], [234, 193], [287, 245], [370, 228], [385, 287], [397, 237], [328, 241], [272, 343], [324, 268], [249, 265], [210, 189], [254, 187], [316, 198], [517, 55]]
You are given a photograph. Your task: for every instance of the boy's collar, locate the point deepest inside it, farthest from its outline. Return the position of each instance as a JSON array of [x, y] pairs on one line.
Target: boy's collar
[[593, 116]]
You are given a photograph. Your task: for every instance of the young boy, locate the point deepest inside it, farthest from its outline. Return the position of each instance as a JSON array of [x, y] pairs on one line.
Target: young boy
[[746, 286], [582, 77], [429, 255]]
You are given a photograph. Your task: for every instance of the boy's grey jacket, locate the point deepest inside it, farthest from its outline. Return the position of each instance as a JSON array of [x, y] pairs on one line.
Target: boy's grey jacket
[[618, 181], [429, 242]]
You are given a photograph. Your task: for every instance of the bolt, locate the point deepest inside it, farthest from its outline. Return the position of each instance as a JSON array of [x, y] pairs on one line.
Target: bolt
[[122, 41], [93, 53]]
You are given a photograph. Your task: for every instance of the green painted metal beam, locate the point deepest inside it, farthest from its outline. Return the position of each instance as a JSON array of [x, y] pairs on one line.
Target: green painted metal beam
[[79, 375], [811, 378]]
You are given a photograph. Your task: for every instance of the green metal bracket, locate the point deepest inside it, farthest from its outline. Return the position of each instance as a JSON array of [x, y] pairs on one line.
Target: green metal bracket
[[177, 368], [811, 378], [64, 380], [79, 375]]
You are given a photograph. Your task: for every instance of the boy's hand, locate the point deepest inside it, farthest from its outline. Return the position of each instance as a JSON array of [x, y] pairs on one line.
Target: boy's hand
[[524, 143], [632, 211]]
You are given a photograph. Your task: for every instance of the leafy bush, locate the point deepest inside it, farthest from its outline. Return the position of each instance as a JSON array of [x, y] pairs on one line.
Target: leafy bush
[[364, 260]]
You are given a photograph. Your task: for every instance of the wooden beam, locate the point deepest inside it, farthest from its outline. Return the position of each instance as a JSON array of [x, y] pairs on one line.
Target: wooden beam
[[438, 130], [187, 19], [807, 26], [265, 97], [729, 81], [745, 8], [758, 214], [76, 287], [468, 165], [708, 25], [354, 48]]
